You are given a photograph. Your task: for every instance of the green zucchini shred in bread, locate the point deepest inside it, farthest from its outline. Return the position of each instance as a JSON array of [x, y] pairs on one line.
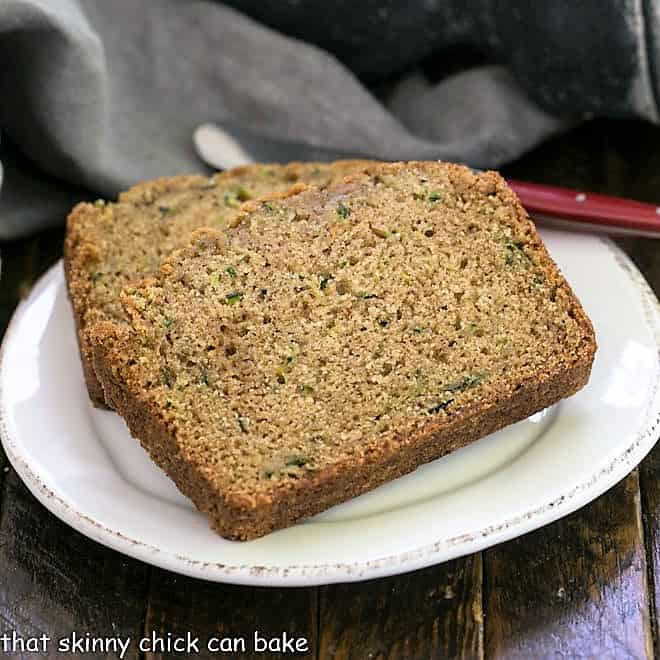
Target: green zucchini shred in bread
[[352, 355], [108, 245]]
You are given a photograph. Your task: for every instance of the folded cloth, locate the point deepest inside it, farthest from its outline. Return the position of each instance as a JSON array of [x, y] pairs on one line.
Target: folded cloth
[[98, 95]]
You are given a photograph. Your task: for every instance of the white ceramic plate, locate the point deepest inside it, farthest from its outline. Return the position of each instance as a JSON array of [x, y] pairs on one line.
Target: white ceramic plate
[[82, 464]]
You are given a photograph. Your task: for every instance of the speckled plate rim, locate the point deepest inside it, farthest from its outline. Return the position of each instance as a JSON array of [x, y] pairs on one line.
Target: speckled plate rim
[[445, 549]]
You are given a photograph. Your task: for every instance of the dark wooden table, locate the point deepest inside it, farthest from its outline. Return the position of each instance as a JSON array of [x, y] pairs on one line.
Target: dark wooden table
[[583, 587]]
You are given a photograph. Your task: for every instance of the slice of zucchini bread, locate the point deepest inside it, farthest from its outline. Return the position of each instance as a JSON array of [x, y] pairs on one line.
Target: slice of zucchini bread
[[111, 244], [338, 338]]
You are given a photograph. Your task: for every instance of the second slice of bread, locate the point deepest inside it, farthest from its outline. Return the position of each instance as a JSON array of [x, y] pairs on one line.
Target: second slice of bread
[[108, 245], [337, 338]]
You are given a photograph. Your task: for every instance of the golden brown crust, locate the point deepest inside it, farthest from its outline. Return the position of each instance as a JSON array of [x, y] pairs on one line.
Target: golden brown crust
[[77, 253], [240, 515]]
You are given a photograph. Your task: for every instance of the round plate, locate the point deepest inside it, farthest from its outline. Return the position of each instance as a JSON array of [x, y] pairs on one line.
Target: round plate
[[82, 464]]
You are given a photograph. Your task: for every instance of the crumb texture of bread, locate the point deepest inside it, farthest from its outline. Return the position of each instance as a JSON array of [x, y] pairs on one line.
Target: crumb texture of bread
[[335, 338], [109, 245]]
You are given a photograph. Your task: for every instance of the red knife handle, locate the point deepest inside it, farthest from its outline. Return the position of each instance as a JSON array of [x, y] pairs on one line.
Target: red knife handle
[[588, 208]]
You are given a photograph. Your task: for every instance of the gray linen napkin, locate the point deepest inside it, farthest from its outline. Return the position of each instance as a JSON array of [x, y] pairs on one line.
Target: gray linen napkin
[[97, 95]]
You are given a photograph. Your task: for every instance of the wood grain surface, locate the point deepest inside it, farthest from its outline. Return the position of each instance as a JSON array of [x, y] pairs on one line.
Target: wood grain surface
[[583, 587], [578, 586], [179, 604], [649, 479], [431, 613]]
